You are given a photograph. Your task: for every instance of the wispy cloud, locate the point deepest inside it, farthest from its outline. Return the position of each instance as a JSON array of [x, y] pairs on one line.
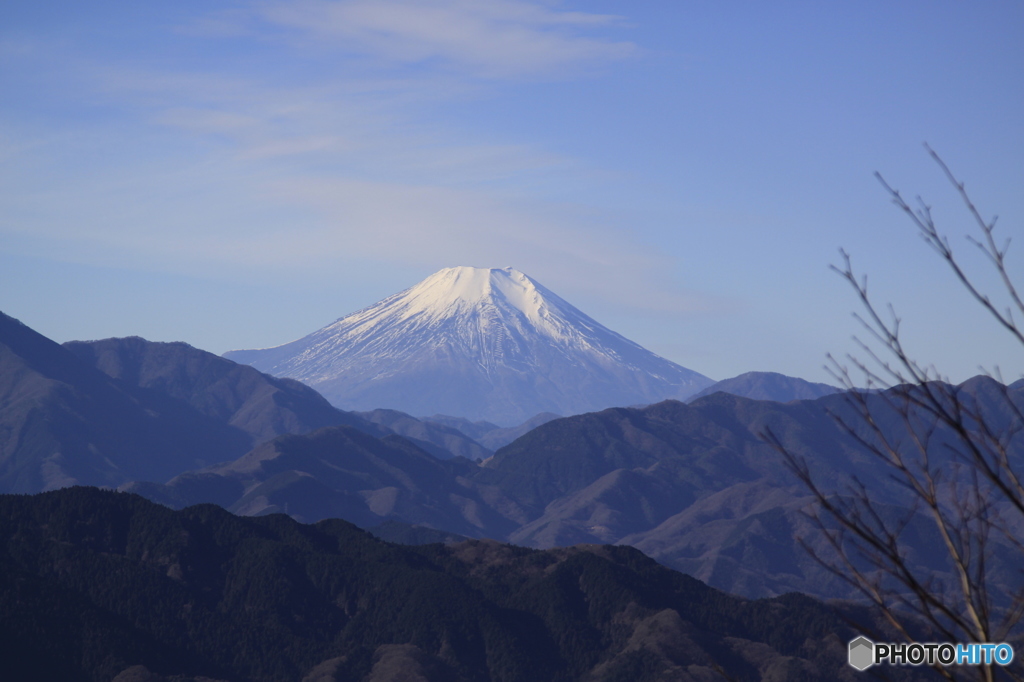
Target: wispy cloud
[[343, 129], [486, 37], [208, 121]]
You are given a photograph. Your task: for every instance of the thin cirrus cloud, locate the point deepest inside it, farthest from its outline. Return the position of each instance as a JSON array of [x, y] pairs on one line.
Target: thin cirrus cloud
[[496, 38], [354, 134]]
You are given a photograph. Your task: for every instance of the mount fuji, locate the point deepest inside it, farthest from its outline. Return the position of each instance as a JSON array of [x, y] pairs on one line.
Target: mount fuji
[[478, 343]]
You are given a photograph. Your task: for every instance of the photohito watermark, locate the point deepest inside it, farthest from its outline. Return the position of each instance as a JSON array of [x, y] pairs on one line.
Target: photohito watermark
[[864, 653]]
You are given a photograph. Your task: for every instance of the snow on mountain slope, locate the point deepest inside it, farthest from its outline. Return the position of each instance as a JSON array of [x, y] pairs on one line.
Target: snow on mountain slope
[[478, 343]]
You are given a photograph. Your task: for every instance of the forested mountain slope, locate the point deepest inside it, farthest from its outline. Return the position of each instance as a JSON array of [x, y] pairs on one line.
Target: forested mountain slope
[[96, 584]]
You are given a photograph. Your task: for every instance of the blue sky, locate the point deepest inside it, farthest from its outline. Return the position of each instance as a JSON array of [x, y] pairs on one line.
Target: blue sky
[[239, 174]]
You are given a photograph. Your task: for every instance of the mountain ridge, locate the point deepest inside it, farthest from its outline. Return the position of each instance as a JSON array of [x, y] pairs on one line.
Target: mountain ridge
[[98, 585], [114, 411], [64, 422], [692, 485], [768, 386]]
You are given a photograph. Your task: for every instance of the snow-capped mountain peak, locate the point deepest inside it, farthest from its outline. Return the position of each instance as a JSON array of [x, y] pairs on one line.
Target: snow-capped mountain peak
[[458, 290], [476, 342]]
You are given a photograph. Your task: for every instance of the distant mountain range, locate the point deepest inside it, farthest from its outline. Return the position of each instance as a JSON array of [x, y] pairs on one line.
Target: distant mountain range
[[490, 435], [755, 385], [437, 438], [692, 485], [768, 386], [341, 472], [64, 421], [481, 344], [119, 410]]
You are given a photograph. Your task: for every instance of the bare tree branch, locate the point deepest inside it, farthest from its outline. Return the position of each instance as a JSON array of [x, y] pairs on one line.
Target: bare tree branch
[[956, 457]]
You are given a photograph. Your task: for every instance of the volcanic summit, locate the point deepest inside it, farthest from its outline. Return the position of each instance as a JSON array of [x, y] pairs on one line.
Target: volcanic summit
[[478, 343]]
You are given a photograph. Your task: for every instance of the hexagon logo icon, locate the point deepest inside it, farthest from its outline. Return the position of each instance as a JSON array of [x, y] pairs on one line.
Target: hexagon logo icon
[[862, 653]]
